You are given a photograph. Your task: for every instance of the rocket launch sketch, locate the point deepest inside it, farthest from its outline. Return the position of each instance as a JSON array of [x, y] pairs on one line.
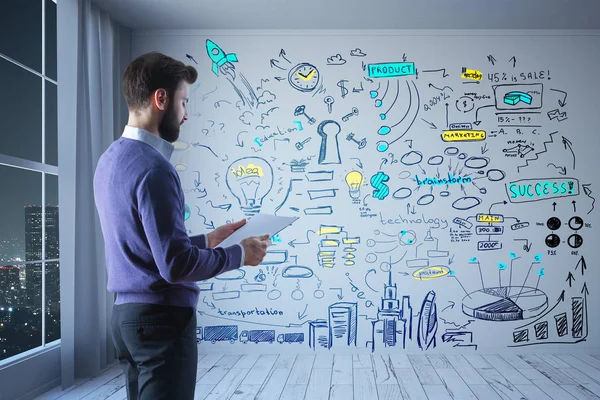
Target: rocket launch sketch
[[219, 58], [222, 62]]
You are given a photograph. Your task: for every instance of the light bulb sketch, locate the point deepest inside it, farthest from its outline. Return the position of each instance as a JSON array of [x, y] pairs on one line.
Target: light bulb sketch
[[250, 179], [354, 179]]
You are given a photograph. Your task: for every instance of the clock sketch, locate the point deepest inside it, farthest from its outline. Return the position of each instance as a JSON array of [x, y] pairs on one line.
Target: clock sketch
[[304, 77]]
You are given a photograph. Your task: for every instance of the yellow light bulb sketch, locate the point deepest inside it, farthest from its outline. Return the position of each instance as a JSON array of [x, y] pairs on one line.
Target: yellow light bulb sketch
[[250, 179], [354, 179]]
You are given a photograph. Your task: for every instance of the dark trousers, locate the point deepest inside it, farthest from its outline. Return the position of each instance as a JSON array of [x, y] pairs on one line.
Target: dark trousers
[[156, 346]]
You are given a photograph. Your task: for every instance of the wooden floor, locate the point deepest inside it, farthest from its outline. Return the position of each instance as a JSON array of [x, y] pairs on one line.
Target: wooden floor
[[377, 376]]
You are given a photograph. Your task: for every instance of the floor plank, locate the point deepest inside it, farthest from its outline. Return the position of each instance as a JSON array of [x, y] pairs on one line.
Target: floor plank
[[439, 361], [341, 392], [465, 370], [500, 384], [384, 370], [553, 361], [400, 361], [274, 384], [477, 361], [120, 394], [93, 384], [300, 373], [580, 392], [324, 360], [424, 370], [362, 361], [319, 384], [364, 384], [552, 373], [437, 392], [549, 387], [227, 386], [586, 358], [485, 392], [578, 364], [285, 361], [247, 361], [389, 392], [507, 370], [106, 390], [327, 376], [293, 392], [342, 370], [245, 392], [259, 372], [457, 388], [532, 392], [410, 386]]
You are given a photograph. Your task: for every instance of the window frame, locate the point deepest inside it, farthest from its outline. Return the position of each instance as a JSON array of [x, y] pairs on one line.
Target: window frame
[[45, 169]]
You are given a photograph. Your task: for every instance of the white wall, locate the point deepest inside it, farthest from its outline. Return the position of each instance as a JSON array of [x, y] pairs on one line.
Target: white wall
[[415, 234]]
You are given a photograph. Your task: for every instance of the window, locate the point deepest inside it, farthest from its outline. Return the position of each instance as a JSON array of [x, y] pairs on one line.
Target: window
[[29, 248]]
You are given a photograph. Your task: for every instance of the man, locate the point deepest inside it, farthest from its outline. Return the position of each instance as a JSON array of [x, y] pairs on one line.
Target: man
[[152, 263]]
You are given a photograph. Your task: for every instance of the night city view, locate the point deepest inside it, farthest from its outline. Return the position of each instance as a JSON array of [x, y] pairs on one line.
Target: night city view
[[21, 310]]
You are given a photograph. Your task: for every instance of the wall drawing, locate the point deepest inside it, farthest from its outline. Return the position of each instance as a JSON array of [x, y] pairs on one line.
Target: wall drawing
[[441, 197]]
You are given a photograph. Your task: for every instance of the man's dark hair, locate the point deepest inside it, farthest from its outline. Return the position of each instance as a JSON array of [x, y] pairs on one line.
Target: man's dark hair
[[153, 71]]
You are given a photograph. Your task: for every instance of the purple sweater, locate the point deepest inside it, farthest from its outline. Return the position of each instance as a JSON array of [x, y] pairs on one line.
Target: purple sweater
[[149, 256]]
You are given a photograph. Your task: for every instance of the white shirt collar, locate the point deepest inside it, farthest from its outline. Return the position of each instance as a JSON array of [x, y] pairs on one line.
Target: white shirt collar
[[159, 144]]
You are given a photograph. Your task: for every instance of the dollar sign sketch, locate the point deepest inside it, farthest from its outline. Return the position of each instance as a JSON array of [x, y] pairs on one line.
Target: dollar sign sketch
[[381, 189], [464, 103], [340, 84]]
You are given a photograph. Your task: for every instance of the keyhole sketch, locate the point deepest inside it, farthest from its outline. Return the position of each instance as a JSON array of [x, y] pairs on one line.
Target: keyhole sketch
[[330, 151]]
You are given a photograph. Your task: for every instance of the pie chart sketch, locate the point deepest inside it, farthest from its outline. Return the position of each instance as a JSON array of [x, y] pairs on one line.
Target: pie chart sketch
[[505, 303]]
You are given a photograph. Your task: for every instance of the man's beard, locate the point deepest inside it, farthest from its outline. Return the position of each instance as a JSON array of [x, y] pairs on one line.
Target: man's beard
[[168, 128]]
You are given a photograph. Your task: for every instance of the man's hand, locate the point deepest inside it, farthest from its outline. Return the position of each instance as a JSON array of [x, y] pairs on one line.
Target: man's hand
[[218, 235], [255, 249]]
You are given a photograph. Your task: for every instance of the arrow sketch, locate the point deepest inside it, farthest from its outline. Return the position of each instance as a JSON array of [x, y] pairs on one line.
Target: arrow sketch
[[225, 207], [359, 163], [431, 124], [567, 143], [293, 242], [444, 74], [564, 100], [588, 193], [303, 315], [561, 170]]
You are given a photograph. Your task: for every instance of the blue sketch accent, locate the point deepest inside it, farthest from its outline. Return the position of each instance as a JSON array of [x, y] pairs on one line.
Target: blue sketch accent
[[329, 152], [297, 271], [319, 176], [318, 334], [290, 338], [275, 257], [250, 179], [380, 189], [233, 275], [343, 323], [461, 338], [301, 110], [393, 321], [321, 210], [221, 333], [253, 287], [321, 193], [218, 56], [428, 323], [229, 295], [258, 336]]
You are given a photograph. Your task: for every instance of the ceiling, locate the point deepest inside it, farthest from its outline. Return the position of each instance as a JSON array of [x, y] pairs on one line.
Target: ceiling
[[354, 14]]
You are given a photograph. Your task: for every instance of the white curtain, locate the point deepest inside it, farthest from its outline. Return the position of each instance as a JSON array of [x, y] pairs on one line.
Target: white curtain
[[86, 348]]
